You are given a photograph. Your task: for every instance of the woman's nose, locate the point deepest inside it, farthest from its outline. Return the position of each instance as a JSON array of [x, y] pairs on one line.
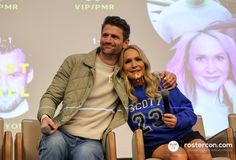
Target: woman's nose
[[211, 66], [134, 64]]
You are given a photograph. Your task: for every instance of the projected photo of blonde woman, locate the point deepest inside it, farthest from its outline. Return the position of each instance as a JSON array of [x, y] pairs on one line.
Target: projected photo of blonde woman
[[204, 62]]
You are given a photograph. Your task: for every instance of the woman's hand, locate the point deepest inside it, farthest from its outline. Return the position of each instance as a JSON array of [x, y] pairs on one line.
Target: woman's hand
[[170, 120]]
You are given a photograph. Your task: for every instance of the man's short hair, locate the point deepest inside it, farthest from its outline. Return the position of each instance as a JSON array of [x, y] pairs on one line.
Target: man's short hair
[[119, 22]]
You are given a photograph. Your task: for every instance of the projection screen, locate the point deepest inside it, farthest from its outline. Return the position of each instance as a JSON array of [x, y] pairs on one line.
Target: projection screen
[[195, 39]]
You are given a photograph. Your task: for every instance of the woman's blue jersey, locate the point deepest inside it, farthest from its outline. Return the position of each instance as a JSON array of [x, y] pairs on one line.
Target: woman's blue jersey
[[147, 115]]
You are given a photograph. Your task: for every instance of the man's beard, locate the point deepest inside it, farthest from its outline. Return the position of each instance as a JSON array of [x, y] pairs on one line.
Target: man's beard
[[110, 51]]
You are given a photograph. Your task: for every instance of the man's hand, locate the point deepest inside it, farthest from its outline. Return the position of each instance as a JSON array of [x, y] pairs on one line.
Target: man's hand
[[46, 121], [168, 79]]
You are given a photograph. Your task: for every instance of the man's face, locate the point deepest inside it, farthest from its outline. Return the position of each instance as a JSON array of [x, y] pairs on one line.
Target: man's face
[[112, 40], [13, 78]]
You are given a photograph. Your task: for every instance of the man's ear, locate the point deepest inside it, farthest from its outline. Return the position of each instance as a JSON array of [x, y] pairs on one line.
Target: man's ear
[[30, 75], [126, 43]]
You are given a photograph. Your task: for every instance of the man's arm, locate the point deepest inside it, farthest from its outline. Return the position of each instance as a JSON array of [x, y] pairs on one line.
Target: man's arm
[[168, 79], [53, 97]]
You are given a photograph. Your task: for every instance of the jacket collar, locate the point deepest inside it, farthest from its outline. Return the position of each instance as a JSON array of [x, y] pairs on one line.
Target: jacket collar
[[91, 58]]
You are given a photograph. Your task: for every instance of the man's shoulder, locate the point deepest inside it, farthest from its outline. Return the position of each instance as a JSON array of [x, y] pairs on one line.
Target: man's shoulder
[[81, 58], [82, 55], [77, 55]]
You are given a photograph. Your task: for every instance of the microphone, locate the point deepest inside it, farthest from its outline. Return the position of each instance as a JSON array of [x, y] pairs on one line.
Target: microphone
[[46, 130], [165, 97]]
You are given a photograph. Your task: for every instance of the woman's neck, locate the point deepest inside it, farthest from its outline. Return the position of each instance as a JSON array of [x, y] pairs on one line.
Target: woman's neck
[[137, 82], [207, 98]]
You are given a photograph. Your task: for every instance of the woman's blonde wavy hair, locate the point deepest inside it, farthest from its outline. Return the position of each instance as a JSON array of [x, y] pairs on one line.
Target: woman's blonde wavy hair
[[151, 81]]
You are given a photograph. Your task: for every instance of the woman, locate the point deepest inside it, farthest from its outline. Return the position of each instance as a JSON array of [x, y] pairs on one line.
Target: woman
[[206, 74], [146, 111]]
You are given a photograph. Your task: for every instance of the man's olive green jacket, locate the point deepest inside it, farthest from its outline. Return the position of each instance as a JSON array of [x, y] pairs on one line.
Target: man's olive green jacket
[[72, 85]]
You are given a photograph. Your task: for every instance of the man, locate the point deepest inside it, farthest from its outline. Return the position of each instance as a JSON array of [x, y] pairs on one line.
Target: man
[[15, 74], [93, 96]]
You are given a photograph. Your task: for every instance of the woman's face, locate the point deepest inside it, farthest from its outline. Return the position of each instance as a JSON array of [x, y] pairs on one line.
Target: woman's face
[[208, 63], [133, 66]]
